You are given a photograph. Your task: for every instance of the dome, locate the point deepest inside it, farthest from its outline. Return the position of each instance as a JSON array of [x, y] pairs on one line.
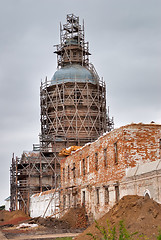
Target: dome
[[72, 73]]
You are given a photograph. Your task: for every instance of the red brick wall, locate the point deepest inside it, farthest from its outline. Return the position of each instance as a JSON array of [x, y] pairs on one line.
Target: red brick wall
[[135, 143]]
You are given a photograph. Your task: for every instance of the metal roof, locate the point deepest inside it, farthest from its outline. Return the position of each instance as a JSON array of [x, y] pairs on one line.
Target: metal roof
[[72, 73]]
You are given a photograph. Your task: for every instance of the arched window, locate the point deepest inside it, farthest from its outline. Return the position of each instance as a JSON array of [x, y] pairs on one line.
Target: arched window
[[147, 193]]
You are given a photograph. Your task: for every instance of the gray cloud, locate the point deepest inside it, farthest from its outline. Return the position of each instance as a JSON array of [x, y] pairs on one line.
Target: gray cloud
[[124, 41]]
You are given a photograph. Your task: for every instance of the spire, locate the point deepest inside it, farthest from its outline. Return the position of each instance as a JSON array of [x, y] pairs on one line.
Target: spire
[[72, 48]]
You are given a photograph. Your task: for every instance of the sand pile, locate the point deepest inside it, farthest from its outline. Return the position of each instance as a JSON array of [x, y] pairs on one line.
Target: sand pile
[[12, 218], [139, 214]]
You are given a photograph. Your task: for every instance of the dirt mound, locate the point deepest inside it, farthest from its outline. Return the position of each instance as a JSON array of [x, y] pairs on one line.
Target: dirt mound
[[55, 224], [76, 218], [140, 214], [12, 218], [73, 219]]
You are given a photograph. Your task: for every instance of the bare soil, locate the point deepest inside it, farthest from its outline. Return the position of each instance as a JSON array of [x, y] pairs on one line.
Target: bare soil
[[74, 221], [74, 218], [12, 218], [140, 214]]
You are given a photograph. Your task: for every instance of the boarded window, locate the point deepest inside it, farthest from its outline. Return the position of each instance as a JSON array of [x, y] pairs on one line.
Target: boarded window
[[96, 161], [97, 195], [106, 195], [84, 170], [117, 193], [105, 157], [116, 153]]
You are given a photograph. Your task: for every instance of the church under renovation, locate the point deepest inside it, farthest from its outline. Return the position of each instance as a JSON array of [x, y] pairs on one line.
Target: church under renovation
[[81, 159]]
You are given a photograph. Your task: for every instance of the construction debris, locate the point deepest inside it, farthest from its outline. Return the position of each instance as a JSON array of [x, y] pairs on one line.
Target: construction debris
[[68, 151], [26, 225]]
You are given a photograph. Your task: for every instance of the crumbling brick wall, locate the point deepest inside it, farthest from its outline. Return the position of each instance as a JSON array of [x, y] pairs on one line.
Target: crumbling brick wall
[[91, 175]]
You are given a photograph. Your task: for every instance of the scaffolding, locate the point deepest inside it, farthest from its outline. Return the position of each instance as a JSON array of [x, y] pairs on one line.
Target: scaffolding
[[33, 173], [73, 112], [72, 47]]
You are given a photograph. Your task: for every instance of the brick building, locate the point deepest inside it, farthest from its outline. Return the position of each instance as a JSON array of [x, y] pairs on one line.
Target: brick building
[[91, 176]]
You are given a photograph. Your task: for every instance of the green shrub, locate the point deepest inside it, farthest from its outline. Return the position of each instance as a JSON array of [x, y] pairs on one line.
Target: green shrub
[[159, 235], [111, 234]]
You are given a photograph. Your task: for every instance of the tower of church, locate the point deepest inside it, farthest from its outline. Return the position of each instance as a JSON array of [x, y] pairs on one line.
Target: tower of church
[[73, 103], [73, 113]]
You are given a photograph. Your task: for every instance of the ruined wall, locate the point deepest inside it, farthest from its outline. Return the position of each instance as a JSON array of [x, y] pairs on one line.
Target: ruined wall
[[91, 175], [44, 204]]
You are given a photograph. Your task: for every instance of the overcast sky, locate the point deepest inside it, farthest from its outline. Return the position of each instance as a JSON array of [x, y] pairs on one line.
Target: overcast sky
[[125, 42]]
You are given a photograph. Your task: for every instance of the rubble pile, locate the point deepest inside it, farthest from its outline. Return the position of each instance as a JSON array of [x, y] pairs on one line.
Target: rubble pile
[[73, 219], [57, 225], [140, 214], [76, 218]]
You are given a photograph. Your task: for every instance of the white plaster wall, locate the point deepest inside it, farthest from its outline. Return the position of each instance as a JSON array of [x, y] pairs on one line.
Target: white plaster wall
[[141, 182], [7, 205], [44, 204]]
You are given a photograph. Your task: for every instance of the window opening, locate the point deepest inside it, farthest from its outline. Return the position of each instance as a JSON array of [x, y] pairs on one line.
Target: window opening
[[74, 53], [80, 167], [97, 195], [116, 153], [73, 170], [69, 200], [63, 174], [77, 95], [106, 195], [75, 201], [84, 167], [96, 161], [68, 172], [88, 164], [105, 157], [117, 193], [83, 198], [64, 201]]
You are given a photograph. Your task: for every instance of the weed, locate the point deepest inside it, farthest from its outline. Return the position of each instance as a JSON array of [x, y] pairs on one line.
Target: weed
[[111, 234]]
